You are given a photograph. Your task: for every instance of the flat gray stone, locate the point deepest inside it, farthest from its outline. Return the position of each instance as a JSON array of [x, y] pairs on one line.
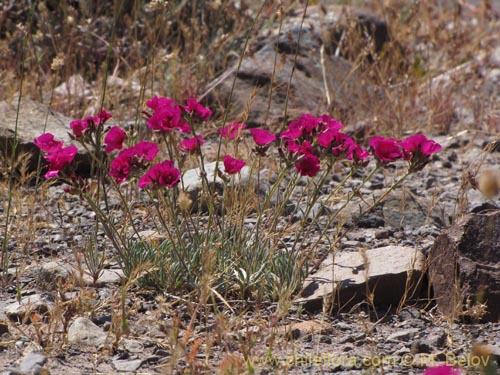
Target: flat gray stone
[[31, 361], [40, 303], [126, 365], [402, 210], [133, 346], [392, 273], [107, 276], [403, 335], [49, 274], [83, 331]]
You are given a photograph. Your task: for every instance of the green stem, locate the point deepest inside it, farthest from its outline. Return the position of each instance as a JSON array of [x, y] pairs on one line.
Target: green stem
[[174, 241], [5, 255]]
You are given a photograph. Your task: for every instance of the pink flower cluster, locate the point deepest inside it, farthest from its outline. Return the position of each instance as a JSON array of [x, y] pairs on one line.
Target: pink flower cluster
[[308, 139], [416, 149], [161, 174], [59, 157], [304, 143], [135, 156], [311, 138], [191, 145], [89, 123], [168, 116], [114, 139]]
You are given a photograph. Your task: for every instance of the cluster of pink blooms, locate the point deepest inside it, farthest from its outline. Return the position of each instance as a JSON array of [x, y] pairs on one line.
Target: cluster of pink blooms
[[59, 157], [416, 149], [89, 124], [305, 142]]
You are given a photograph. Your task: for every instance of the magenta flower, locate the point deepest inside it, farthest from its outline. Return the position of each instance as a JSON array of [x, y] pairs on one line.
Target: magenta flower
[[262, 137], [145, 150], [165, 118], [308, 165], [418, 149], [294, 131], [232, 130], [196, 109], [232, 165], [326, 138], [305, 148], [57, 156], [51, 174], [166, 115], [418, 142], [161, 174], [120, 168], [430, 147], [184, 127], [59, 159], [191, 145], [356, 153], [442, 370], [308, 123], [89, 123], [330, 123], [103, 116], [160, 101], [114, 139], [305, 125], [135, 156], [385, 149], [79, 127], [46, 143]]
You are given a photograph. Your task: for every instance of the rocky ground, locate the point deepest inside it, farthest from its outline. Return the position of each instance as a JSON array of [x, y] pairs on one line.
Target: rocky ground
[[354, 339], [55, 319]]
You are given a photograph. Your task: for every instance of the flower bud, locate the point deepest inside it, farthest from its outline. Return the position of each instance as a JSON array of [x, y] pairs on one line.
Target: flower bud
[[489, 183], [184, 201]]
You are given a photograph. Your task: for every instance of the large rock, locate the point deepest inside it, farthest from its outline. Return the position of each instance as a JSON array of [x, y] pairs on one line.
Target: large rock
[[36, 303], [345, 279], [33, 119], [50, 275], [84, 332], [464, 266], [349, 90]]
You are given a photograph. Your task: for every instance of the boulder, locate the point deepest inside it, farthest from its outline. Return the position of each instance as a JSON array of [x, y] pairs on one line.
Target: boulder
[[345, 279], [32, 362], [320, 72], [33, 119], [20, 311], [84, 332], [49, 275], [464, 267]]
